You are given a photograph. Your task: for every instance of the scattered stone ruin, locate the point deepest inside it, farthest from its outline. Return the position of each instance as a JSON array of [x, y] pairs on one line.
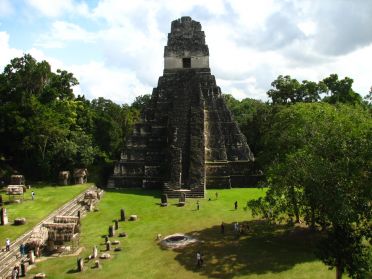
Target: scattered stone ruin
[[17, 186], [64, 177], [187, 137], [81, 176], [63, 234]]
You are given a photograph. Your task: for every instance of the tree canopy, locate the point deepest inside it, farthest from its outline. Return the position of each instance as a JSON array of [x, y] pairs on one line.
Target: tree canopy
[[44, 128]]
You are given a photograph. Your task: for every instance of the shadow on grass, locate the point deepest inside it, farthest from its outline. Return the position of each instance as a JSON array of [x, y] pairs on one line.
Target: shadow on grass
[[72, 271], [264, 248]]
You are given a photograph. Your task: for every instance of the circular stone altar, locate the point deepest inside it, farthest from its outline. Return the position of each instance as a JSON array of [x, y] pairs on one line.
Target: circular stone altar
[[177, 240]]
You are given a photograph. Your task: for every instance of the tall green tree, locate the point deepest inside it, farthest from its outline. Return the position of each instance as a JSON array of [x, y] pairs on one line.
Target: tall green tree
[[38, 112], [340, 91], [289, 91], [321, 171]]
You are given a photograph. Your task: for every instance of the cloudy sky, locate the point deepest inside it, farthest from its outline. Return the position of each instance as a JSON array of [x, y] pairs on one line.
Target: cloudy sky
[[115, 47]]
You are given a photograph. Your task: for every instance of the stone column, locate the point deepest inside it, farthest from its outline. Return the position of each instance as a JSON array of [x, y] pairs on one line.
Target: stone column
[[111, 231], [95, 252], [31, 256], [116, 224], [80, 264], [108, 246], [3, 216], [122, 214]]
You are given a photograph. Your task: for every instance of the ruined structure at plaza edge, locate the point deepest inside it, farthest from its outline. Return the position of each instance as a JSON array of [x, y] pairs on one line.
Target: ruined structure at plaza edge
[[187, 138]]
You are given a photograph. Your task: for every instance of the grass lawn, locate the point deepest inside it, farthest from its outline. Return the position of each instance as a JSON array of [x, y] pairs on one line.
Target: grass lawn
[[47, 199], [267, 251]]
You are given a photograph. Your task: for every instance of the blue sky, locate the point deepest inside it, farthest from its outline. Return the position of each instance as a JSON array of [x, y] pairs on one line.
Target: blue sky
[[115, 47]]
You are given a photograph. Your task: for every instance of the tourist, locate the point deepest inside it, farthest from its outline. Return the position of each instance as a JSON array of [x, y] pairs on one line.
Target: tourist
[[197, 205], [198, 259], [236, 205], [236, 229], [15, 273], [222, 228], [32, 195], [7, 244], [22, 249]]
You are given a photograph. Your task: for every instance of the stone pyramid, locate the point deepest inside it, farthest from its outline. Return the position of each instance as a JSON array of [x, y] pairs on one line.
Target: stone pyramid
[[187, 140]]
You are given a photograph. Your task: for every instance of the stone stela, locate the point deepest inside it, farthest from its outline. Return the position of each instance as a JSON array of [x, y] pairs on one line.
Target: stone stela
[[187, 137], [3, 217]]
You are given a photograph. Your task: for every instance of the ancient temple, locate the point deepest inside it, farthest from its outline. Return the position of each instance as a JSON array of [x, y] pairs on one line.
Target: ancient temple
[[187, 139]]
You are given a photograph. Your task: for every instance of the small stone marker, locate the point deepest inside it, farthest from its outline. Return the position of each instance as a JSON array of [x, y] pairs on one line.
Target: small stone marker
[[164, 200], [3, 216], [122, 234], [96, 264], [40, 276], [122, 214], [31, 256], [115, 242], [80, 264], [111, 231], [105, 256], [117, 249], [133, 218], [19, 221], [182, 200], [116, 224], [106, 238]]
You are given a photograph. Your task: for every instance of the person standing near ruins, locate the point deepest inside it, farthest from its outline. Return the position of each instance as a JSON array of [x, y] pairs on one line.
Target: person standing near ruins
[[198, 259], [32, 195], [222, 228], [197, 205], [22, 249], [15, 273], [7, 245], [236, 205]]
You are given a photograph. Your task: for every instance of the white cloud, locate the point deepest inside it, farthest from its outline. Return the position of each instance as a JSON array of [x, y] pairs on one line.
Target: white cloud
[[98, 80], [308, 27], [57, 8], [62, 32]]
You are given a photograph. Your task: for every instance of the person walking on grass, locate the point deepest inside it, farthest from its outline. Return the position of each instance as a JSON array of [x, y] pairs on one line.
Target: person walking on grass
[[197, 205], [198, 259], [236, 205], [32, 195]]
